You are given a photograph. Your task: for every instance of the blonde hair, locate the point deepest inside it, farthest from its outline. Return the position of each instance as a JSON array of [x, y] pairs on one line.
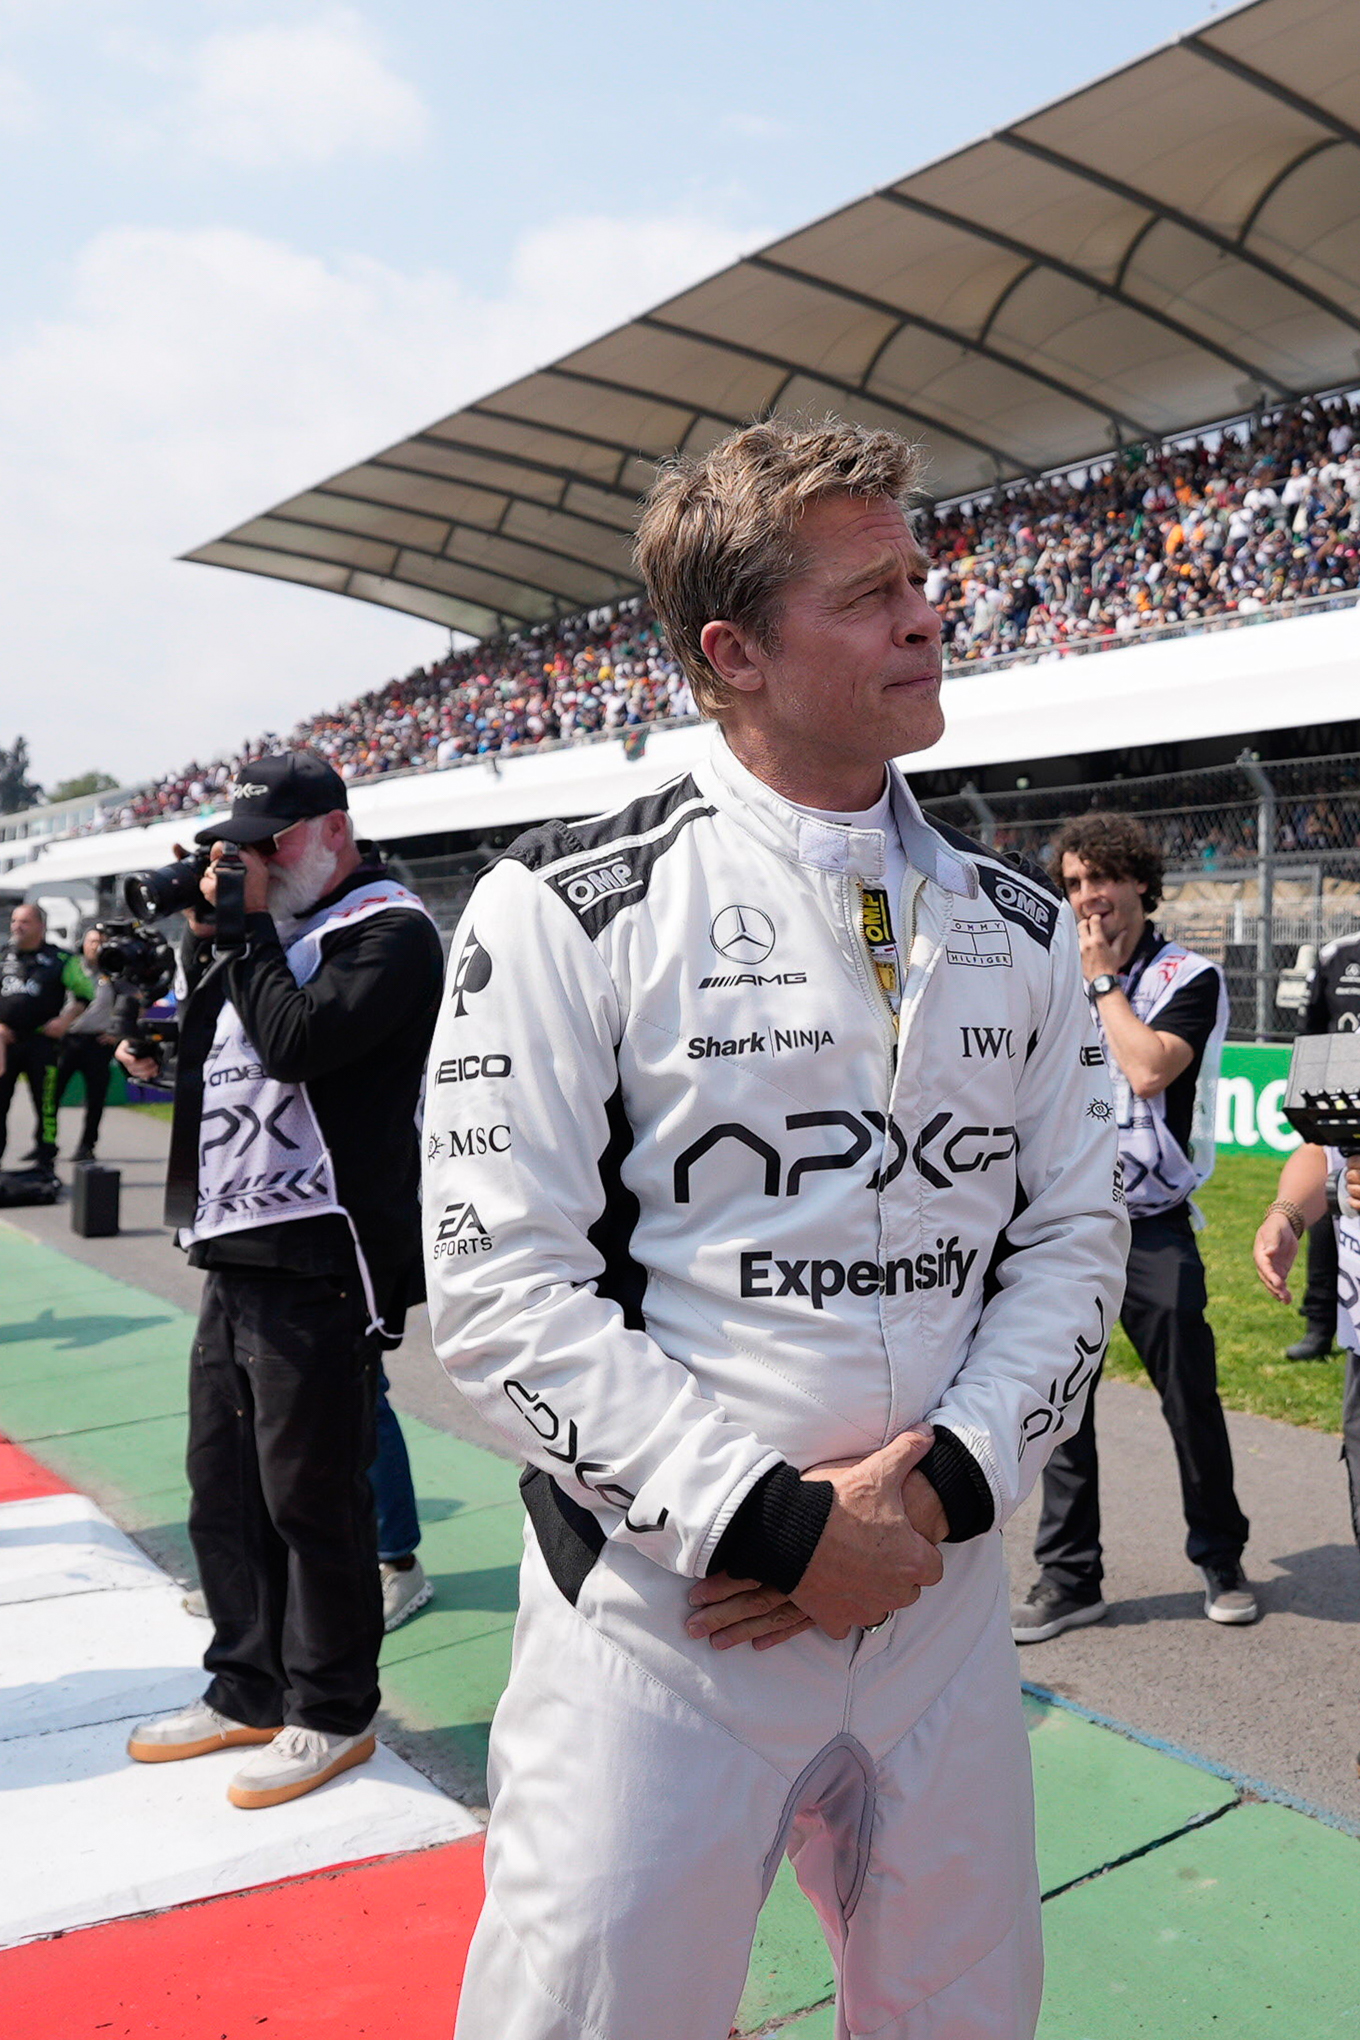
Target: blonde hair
[[718, 537]]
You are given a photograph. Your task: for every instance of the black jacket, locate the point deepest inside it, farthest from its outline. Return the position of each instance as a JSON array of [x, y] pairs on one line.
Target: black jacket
[[1331, 998], [32, 986], [357, 1035]]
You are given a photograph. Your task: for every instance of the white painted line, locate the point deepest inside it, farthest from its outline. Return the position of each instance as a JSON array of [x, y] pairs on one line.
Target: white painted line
[[63, 1544], [80, 1658]]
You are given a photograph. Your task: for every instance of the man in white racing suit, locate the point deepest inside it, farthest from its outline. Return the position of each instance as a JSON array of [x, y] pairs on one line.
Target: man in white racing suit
[[763, 1143]]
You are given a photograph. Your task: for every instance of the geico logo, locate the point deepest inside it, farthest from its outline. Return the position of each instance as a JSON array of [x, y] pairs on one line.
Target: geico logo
[[461, 1069], [598, 881], [242, 1073], [479, 1140], [702, 1046], [861, 1127], [461, 1232], [764, 1273], [753, 977], [967, 1151]]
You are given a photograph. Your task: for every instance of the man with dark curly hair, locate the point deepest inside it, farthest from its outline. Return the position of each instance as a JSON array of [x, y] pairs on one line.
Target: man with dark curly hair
[[1161, 1012]]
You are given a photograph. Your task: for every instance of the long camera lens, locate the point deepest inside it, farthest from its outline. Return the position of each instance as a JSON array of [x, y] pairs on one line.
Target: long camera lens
[[171, 889]]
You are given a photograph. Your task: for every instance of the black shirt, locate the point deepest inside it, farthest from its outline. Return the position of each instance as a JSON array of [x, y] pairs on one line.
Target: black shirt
[[1331, 997], [32, 990], [1191, 1013], [357, 1035]]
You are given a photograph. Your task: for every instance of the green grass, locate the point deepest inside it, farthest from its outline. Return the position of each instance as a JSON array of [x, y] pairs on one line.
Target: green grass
[[1252, 1330]]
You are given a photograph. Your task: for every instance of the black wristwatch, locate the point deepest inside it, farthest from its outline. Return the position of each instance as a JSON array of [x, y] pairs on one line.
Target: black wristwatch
[[1106, 982]]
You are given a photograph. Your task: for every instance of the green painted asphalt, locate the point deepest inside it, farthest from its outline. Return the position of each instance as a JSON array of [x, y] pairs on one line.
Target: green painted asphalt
[[1176, 1905]]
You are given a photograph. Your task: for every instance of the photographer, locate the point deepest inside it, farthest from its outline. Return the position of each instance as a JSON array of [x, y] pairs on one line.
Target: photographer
[[88, 1045], [293, 1173], [1300, 1203], [1331, 1005], [35, 979]]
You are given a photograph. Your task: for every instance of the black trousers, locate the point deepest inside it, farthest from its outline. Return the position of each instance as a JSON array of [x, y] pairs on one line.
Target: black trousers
[[1319, 1298], [1163, 1314], [89, 1057], [35, 1057], [282, 1389], [1350, 1436]]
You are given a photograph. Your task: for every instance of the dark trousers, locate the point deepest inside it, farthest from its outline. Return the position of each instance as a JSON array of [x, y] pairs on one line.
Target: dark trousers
[[282, 1387], [1319, 1298], [1163, 1314], [87, 1056], [34, 1057], [1350, 1436]]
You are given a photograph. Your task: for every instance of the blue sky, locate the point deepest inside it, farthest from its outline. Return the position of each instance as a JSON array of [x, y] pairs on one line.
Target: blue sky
[[248, 241]]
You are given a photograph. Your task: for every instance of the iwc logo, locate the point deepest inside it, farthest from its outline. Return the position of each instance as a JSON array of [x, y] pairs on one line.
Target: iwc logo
[[744, 934]]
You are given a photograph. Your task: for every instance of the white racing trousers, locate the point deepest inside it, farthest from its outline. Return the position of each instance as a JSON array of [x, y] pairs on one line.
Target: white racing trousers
[[644, 1788]]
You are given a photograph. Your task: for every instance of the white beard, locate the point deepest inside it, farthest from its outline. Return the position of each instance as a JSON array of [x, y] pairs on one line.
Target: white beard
[[292, 893]]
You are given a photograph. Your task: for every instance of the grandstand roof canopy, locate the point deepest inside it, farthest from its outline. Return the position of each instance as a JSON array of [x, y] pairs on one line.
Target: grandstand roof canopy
[[1175, 243]]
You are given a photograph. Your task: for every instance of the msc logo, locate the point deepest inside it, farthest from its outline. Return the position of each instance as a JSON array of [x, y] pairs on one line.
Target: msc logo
[[743, 933], [461, 1069], [461, 1232], [583, 888], [473, 973]]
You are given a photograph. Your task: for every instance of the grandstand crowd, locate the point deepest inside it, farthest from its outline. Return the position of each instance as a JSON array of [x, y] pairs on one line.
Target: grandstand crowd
[[1258, 517]]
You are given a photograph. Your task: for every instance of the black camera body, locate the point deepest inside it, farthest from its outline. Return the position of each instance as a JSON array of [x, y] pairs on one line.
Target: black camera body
[[140, 964], [1322, 1096], [178, 889]]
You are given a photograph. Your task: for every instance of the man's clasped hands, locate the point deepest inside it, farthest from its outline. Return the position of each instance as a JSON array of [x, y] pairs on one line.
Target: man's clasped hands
[[876, 1552]]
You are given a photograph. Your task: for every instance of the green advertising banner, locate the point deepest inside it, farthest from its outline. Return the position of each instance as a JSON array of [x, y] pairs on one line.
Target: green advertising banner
[[1250, 1093]]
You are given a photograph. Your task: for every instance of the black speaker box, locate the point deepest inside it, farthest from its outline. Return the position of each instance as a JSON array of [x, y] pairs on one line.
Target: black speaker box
[[94, 1201]]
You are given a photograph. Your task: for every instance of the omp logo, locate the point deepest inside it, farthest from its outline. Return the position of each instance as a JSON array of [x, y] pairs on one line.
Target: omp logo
[[461, 1232], [980, 1043], [472, 975], [583, 888], [461, 1069], [1033, 912], [765, 1274], [743, 933], [979, 945]]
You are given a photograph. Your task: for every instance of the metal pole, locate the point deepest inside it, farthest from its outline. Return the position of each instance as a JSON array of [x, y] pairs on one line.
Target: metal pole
[[982, 814], [1265, 886]]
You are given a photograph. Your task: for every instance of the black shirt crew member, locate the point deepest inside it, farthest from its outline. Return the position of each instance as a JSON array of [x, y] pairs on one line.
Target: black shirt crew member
[[34, 979]]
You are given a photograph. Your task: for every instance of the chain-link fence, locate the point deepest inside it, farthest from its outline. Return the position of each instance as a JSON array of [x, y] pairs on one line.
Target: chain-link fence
[[1262, 861]]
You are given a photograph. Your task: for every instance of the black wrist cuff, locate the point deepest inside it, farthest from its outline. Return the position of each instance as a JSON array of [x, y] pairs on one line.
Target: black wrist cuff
[[961, 1485], [774, 1532]]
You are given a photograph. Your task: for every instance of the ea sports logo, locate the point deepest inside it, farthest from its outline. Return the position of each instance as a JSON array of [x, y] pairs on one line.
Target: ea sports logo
[[743, 933]]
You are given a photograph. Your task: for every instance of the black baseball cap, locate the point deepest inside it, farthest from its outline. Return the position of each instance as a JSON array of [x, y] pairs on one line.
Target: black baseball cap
[[269, 794]]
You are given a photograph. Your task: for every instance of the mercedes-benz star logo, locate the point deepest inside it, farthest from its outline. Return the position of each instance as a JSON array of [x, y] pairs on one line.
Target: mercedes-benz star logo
[[743, 933]]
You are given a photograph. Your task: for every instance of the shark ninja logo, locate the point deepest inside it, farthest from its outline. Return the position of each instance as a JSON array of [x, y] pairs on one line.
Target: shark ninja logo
[[472, 975]]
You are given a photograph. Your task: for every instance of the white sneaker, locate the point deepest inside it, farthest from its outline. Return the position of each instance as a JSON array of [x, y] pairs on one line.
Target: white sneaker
[[297, 1761], [193, 1732], [404, 1590], [195, 1602]]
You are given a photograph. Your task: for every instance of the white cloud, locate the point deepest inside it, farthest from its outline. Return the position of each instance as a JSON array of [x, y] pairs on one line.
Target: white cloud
[[191, 379], [303, 93]]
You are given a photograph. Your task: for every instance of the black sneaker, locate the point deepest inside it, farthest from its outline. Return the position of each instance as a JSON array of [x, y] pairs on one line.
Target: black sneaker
[[1048, 1609], [1316, 1344], [1227, 1595], [84, 1153]]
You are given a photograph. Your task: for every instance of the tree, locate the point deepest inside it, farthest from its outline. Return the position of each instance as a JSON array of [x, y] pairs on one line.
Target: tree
[[17, 790], [85, 782]]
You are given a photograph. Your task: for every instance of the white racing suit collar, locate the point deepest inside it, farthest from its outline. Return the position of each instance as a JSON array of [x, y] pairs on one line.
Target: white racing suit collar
[[831, 846]]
